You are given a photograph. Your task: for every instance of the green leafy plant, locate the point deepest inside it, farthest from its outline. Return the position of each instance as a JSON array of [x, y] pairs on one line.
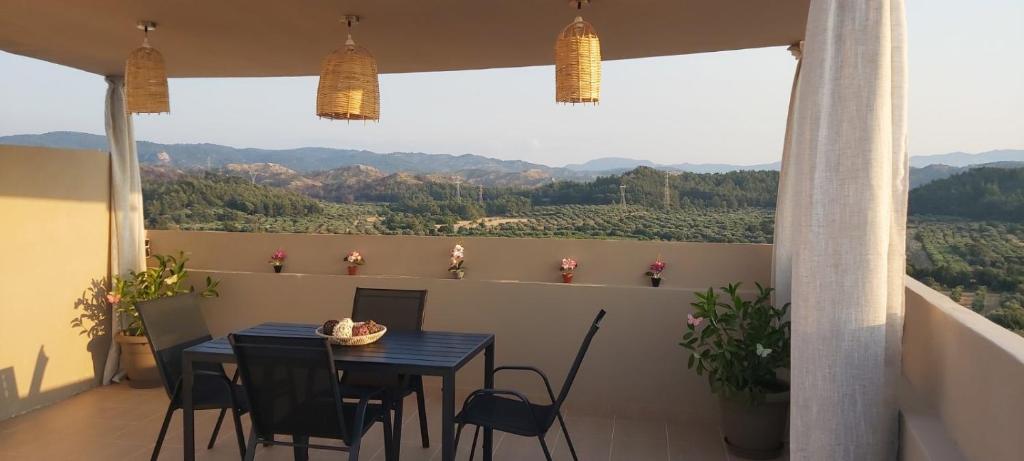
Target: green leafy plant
[[166, 278], [738, 344]]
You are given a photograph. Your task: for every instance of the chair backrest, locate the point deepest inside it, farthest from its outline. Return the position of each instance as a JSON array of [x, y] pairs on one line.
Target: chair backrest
[[291, 384], [399, 310], [579, 359], [172, 325]]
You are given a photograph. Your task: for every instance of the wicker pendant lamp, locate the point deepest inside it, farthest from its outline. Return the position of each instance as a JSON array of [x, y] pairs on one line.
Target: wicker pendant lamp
[[145, 78], [578, 62], [349, 89]]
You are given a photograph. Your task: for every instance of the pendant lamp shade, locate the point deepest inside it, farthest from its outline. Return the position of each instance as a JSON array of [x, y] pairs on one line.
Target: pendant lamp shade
[[578, 64], [348, 89], [145, 79]]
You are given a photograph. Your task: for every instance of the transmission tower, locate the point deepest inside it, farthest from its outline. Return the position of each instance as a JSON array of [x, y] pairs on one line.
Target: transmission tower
[[668, 193], [480, 194], [622, 194], [458, 189]]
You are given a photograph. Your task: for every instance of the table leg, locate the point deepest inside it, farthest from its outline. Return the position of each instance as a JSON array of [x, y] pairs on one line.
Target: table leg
[[488, 384], [448, 417], [187, 413]]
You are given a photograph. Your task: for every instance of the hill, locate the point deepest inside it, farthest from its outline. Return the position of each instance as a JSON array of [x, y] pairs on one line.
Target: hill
[[310, 159], [980, 193]]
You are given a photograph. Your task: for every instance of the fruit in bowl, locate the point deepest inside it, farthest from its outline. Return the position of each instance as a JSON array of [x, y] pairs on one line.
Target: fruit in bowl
[[346, 328]]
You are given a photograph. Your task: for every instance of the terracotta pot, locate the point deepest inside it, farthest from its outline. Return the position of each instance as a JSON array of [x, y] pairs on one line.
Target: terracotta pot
[[655, 281], [756, 431], [353, 270], [567, 277], [137, 358], [278, 269]]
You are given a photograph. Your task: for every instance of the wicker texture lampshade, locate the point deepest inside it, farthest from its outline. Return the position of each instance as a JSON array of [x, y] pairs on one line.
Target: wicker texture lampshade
[[578, 64], [145, 82], [348, 89]]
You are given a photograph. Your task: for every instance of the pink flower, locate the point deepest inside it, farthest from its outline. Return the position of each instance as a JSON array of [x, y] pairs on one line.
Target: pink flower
[[694, 321], [569, 265], [657, 266], [278, 257], [113, 298]]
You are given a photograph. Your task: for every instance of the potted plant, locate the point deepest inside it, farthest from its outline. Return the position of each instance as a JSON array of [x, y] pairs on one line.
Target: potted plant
[[741, 346], [277, 260], [568, 268], [455, 264], [164, 279], [354, 260], [654, 272]]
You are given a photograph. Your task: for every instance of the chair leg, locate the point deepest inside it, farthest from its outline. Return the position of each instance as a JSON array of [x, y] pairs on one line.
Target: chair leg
[[458, 434], [398, 405], [421, 407], [353, 449], [389, 439], [544, 446], [239, 434], [163, 432], [568, 441], [472, 450], [301, 453], [216, 428], [250, 449]]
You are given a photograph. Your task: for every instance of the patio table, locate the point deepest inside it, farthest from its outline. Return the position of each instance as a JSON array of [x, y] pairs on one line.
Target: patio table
[[426, 353]]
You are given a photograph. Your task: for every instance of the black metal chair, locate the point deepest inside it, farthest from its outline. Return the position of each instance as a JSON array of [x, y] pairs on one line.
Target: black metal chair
[[172, 325], [293, 389], [399, 310], [510, 411]]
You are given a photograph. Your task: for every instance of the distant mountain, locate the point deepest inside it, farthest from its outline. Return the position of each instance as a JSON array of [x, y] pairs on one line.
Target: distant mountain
[[475, 168], [965, 159], [618, 165], [927, 174], [610, 164], [305, 162]]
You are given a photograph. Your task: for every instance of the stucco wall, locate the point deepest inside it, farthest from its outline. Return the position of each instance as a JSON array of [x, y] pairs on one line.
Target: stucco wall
[[635, 366], [54, 239], [963, 380]]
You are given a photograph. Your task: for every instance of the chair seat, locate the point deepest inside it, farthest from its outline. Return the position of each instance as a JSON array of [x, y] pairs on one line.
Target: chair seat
[[209, 393], [507, 415], [316, 419]]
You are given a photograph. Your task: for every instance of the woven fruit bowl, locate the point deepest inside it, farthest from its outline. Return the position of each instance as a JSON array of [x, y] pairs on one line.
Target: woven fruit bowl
[[354, 340]]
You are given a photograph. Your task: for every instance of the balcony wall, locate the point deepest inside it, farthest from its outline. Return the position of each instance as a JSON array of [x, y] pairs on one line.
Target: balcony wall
[[963, 378], [635, 366], [55, 231]]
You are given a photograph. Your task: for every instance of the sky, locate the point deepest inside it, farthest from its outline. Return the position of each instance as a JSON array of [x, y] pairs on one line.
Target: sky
[[966, 94]]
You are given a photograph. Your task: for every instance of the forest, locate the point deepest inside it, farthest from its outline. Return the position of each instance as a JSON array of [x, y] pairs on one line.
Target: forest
[[972, 252]]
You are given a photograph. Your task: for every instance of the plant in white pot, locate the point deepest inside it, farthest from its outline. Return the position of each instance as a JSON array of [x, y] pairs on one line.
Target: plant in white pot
[[741, 346], [166, 278]]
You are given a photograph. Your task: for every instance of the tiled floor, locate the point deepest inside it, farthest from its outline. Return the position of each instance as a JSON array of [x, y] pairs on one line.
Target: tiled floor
[[119, 423]]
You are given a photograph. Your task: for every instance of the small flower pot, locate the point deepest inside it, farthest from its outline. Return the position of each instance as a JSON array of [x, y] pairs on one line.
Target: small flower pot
[[138, 361], [655, 281], [278, 269], [458, 275], [756, 431], [353, 270], [567, 277]]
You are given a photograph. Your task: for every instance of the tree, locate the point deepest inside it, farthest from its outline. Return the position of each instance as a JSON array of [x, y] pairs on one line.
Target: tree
[[978, 303], [957, 293]]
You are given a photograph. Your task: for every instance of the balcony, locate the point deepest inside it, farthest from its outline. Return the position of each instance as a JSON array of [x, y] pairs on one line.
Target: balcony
[[73, 218], [949, 407]]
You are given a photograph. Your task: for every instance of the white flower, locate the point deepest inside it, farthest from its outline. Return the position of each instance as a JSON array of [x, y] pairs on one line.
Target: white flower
[[762, 351], [170, 280]]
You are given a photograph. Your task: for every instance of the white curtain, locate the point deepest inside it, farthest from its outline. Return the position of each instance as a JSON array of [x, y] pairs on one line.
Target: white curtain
[[127, 245], [841, 229]]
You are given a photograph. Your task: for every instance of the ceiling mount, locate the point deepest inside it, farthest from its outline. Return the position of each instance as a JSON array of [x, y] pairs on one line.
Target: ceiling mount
[[351, 20], [579, 4], [146, 26]]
